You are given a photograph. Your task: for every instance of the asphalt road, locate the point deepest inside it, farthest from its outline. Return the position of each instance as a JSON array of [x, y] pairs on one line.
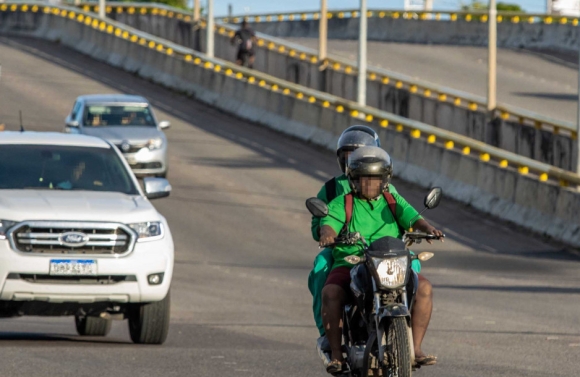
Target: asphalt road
[[506, 303], [542, 82]]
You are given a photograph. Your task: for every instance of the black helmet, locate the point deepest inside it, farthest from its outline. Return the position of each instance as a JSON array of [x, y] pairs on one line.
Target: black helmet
[[355, 137], [369, 161]]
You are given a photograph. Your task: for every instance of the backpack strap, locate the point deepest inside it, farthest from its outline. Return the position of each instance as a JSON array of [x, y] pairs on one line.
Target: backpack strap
[[393, 207], [330, 188], [392, 203], [348, 204]]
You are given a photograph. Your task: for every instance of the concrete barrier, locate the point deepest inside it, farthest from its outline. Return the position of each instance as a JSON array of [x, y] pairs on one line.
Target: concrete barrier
[[554, 36], [529, 139], [504, 192]]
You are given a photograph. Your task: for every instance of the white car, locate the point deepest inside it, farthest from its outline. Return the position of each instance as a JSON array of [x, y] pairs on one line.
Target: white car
[[79, 237]]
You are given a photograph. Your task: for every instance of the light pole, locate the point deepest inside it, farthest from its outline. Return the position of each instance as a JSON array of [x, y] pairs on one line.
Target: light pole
[[102, 9], [209, 31], [362, 55], [322, 31], [196, 8], [492, 57], [578, 113], [548, 6]]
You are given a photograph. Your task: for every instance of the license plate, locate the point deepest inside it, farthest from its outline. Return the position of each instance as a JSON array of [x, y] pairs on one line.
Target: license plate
[[73, 267]]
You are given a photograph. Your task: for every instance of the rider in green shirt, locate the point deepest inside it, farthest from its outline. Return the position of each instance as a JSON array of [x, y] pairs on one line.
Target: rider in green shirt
[[369, 173], [352, 138]]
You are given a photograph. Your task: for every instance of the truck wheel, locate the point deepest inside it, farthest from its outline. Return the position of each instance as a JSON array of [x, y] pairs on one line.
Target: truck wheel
[[92, 326], [149, 323]]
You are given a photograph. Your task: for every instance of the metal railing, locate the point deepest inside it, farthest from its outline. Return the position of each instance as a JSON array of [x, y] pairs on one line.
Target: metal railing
[[379, 118], [416, 86]]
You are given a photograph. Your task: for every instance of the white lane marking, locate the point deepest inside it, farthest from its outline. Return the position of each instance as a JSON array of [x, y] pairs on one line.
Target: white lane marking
[[552, 338], [574, 345], [291, 161], [490, 322], [218, 357]]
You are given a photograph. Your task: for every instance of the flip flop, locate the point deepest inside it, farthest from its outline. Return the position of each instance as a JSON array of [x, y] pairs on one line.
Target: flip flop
[[425, 360], [334, 367]]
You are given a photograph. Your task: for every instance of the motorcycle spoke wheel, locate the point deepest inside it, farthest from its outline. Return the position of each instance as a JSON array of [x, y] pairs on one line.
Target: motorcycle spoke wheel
[[397, 351]]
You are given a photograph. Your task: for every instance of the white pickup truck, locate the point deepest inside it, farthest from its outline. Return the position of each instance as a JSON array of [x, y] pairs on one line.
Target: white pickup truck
[[79, 237]]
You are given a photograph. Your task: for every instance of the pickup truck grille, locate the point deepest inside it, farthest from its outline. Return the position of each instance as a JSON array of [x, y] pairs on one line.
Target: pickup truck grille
[[43, 237]]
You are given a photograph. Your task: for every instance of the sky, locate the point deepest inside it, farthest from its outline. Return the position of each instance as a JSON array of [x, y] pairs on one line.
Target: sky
[[263, 6]]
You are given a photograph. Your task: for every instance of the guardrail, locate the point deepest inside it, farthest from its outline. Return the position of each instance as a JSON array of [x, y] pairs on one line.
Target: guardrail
[[444, 94], [378, 118], [468, 16]]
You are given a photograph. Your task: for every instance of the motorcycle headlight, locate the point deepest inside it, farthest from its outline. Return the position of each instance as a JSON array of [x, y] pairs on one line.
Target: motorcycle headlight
[[4, 226], [391, 271], [148, 231], [155, 143]]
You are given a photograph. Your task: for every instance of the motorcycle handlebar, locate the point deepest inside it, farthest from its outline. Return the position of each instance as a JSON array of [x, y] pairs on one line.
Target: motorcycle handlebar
[[423, 236]]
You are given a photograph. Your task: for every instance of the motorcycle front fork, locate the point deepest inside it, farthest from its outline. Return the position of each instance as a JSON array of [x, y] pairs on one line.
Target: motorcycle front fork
[[380, 331]]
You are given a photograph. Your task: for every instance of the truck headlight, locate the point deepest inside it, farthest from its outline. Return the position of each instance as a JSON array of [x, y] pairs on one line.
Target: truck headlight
[[391, 271], [156, 143], [4, 226], [148, 231]]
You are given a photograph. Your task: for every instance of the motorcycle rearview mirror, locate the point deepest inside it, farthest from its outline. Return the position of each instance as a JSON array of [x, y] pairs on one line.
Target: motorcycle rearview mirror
[[431, 201], [353, 259], [425, 256], [317, 207], [433, 197]]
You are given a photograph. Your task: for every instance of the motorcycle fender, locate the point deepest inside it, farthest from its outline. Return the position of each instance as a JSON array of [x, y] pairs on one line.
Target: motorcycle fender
[[393, 310]]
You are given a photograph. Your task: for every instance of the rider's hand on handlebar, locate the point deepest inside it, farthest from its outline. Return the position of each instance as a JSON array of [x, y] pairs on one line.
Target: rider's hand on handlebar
[[424, 226], [327, 236], [435, 232]]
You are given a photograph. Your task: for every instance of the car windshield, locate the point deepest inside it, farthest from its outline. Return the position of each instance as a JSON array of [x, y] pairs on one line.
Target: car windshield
[[56, 167], [117, 115]]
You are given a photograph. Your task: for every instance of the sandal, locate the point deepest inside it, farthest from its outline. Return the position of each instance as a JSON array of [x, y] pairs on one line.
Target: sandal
[[425, 360], [334, 367]]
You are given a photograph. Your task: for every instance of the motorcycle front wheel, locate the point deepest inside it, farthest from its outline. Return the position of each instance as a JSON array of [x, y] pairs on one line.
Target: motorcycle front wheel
[[397, 346]]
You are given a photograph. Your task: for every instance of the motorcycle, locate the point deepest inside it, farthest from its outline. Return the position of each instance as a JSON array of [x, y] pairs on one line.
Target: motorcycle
[[377, 335]]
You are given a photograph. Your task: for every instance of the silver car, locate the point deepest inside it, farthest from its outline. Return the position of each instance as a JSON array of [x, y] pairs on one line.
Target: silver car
[[128, 122]]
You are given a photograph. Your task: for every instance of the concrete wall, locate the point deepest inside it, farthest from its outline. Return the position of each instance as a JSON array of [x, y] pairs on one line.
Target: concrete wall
[[538, 206], [557, 150], [516, 35]]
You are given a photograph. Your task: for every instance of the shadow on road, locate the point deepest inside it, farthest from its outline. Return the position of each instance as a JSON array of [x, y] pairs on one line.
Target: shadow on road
[[555, 96], [521, 289], [40, 337]]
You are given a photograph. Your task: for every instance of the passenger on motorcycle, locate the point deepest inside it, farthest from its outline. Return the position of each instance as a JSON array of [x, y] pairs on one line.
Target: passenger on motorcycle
[[369, 171], [245, 39], [352, 138]]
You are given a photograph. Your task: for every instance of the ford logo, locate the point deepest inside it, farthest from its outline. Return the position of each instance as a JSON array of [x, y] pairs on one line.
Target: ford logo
[[73, 239]]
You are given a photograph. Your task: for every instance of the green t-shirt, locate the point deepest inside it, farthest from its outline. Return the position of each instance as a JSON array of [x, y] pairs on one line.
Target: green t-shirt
[[372, 222], [342, 188]]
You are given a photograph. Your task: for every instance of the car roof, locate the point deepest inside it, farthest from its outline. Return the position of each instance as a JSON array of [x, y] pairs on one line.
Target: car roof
[[112, 98], [51, 138]]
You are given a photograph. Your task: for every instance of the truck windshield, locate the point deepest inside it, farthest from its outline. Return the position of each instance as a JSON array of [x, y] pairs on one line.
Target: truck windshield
[[56, 167], [116, 115]]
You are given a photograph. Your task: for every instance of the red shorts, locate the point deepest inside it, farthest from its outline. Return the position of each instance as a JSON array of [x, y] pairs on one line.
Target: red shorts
[[341, 276]]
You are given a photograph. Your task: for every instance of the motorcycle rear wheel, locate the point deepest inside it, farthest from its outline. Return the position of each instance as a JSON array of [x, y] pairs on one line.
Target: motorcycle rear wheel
[[398, 349]]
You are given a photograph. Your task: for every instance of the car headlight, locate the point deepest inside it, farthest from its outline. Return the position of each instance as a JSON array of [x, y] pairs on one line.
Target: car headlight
[[156, 143], [391, 271], [4, 226], [148, 231]]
